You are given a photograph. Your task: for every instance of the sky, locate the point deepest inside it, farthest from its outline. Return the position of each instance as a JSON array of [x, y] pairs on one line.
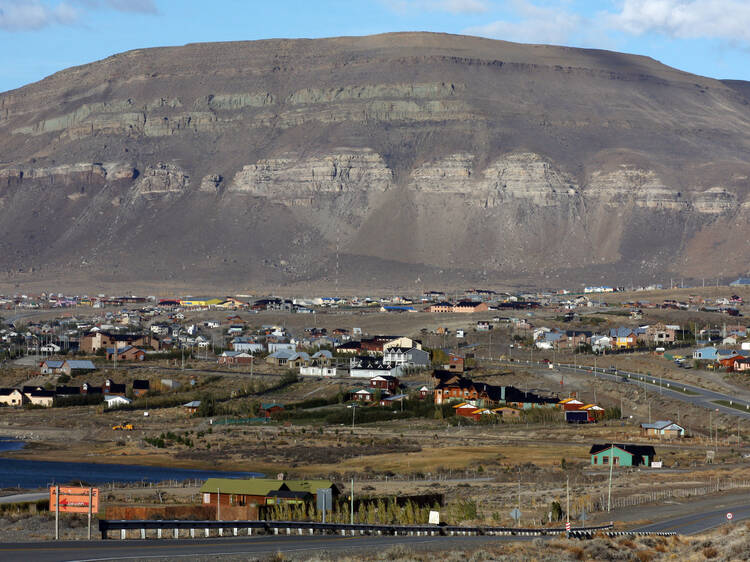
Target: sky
[[40, 37]]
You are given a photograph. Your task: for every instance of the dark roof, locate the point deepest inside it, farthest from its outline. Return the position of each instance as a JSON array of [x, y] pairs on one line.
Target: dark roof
[[636, 450], [68, 390], [43, 393], [115, 388], [7, 391], [140, 384], [288, 494]]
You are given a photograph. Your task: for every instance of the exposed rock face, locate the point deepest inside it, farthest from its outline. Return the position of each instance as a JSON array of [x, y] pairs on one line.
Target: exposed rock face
[[409, 156], [162, 179]]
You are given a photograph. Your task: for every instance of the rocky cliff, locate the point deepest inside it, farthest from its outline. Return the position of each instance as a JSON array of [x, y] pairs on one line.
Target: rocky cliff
[[376, 161]]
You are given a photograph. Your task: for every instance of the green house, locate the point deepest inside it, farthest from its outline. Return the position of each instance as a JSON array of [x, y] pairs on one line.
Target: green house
[[621, 455]]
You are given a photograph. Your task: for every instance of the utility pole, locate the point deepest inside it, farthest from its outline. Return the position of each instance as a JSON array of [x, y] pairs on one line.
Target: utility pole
[[518, 523], [611, 465], [649, 412], [218, 504], [567, 501], [351, 510]]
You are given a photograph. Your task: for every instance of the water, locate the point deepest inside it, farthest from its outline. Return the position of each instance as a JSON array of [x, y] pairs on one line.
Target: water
[[39, 474]]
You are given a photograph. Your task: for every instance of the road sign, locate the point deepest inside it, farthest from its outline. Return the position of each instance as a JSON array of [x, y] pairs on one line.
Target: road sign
[[74, 500], [567, 526], [515, 513], [324, 498], [730, 515]]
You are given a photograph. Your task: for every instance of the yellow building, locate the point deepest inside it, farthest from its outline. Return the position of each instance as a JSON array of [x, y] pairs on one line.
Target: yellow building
[[200, 302]]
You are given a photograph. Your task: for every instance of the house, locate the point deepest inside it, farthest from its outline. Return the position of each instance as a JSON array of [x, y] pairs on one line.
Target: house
[[141, 387], [12, 397], [273, 347], [363, 395], [595, 412], [115, 401], [256, 491], [390, 342], [112, 388], [404, 357], [706, 353], [322, 358], [570, 404], [76, 367], [201, 302], [51, 367], [622, 455], [506, 412], [235, 358], [467, 410], [127, 353], [424, 392], [455, 363], [742, 364], [661, 334], [469, 307], [662, 429], [728, 362], [41, 397], [318, 371], [369, 367], [87, 388], [441, 307], [192, 407], [269, 409], [600, 343], [247, 345], [288, 358], [385, 382], [170, 384], [351, 347], [623, 338]]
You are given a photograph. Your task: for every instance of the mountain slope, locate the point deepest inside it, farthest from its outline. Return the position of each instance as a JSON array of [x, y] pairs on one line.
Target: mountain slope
[[409, 156]]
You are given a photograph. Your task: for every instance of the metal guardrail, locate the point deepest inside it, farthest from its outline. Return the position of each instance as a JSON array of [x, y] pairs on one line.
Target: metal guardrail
[[233, 528]]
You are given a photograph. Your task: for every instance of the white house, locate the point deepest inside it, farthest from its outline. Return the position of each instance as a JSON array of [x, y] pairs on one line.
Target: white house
[[274, 347], [369, 367], [115, 401], [600, 343], [318, 371], [400, 356]]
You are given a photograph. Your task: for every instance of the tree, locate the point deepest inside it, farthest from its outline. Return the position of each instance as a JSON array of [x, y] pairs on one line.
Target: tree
[[556, 509]]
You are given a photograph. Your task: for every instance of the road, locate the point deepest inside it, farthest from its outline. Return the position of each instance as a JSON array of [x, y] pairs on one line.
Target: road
[[226, 548], [700, 522], [690, 394], [23, 498]]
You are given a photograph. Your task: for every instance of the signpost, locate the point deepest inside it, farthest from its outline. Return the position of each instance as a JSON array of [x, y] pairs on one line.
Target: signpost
[[730, 516], [567, 527], [325, 500], [73, 500], [515, 514]]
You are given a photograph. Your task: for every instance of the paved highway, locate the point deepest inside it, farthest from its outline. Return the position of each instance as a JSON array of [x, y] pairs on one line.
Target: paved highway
[[688, 393], [23, 498], [700, 522], [226, 548]]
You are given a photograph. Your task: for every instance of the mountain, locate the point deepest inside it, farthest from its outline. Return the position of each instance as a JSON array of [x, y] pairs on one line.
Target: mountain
[[373, 162]]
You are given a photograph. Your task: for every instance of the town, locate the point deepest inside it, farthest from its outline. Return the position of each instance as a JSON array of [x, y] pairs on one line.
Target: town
[[476, 389]]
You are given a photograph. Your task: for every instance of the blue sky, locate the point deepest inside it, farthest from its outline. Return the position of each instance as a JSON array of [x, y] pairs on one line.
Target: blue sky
[[40, 37]]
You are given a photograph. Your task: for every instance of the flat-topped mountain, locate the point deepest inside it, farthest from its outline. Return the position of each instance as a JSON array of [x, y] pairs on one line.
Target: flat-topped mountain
[[377, 161]]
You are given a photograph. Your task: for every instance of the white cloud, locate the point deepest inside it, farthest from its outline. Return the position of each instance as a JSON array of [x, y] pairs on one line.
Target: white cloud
[[450, 6], [25, 15], [32, 14], [686, 19], [534, 24]]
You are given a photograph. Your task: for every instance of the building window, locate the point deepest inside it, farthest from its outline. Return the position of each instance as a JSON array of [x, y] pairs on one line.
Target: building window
[[605, 460]]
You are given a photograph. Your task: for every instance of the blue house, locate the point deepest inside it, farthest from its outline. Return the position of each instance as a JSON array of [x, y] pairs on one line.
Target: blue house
[[706, 353]]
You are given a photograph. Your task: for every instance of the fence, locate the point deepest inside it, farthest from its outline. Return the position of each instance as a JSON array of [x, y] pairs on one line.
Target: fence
[[600, 503], [233, 528]]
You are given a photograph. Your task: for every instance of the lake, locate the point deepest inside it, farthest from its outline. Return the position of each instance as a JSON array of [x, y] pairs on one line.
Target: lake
[[38, 474]]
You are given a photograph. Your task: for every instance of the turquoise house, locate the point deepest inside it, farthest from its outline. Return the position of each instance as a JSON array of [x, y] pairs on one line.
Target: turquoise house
[[621, 455]]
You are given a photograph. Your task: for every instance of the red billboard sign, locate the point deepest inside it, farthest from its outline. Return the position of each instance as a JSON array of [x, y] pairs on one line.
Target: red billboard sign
[[74, 500]]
